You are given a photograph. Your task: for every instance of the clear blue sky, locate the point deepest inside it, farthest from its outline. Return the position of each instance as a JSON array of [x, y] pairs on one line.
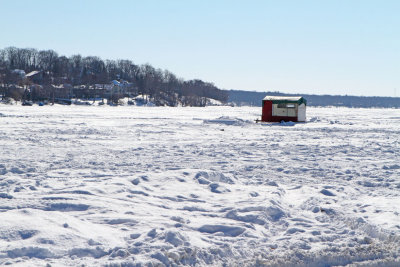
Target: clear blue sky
[[322, 47]]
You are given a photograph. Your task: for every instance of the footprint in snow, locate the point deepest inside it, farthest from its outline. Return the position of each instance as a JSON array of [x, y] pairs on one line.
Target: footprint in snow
[[216, 188], [294, 230], [327, 192], [135, 181], [232, 231], [152, 233]]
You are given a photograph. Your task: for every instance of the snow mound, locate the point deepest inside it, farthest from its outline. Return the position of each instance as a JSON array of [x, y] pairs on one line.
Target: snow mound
[[224, 120], [287, 123], [206, 177]]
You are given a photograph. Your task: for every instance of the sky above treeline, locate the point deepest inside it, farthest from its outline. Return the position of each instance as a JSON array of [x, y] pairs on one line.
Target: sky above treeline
[[318, 47]]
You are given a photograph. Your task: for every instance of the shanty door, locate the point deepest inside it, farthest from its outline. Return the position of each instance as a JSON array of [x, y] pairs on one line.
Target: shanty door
[[302, 113], [291, 110]]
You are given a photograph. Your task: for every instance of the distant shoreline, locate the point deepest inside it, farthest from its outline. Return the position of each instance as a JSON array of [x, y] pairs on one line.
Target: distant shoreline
[[246, 98]]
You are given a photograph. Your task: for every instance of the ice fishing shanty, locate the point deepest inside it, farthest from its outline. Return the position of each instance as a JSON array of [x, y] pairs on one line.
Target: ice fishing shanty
[[283, 108]]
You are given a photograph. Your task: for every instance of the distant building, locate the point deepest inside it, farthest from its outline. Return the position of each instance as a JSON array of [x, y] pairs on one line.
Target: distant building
[[284, 108], [37, 92], [120, 87], [20, 73], [62, 90], [113, 90], [89, 92], [35, 76]]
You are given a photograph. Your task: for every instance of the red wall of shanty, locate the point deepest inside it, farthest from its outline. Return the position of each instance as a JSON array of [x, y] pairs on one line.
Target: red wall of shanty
[[267, 114], [266, 111]]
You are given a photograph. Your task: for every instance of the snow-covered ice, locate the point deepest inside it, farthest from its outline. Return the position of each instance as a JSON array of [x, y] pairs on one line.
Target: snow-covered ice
[[140, 186]]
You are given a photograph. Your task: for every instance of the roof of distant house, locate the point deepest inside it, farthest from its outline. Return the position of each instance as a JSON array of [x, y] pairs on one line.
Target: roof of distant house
[[32, 73]]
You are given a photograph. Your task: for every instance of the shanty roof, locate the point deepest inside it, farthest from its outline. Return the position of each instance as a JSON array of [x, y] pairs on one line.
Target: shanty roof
[[286, 99]]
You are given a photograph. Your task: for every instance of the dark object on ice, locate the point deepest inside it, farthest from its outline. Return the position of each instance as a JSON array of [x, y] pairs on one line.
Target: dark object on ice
[[63, 101], [27, 103]]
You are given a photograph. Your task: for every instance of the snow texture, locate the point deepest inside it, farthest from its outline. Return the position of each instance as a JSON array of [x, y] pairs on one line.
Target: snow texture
[[140, 186]]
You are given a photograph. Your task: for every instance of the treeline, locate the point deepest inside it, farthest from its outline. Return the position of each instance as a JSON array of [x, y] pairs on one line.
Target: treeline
[[162, 86], [246, 98]]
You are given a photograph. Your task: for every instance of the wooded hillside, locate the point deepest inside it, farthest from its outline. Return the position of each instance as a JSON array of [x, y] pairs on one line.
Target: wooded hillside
[[23, 68]]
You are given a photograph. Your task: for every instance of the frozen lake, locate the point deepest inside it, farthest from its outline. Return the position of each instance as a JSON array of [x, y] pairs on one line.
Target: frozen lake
[[154, 186]]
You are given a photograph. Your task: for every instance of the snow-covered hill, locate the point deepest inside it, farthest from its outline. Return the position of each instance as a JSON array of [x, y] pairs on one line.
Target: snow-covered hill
[[135, 186]]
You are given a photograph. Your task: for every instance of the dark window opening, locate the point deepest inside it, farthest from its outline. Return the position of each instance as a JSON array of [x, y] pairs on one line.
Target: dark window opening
[[282, 105]]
